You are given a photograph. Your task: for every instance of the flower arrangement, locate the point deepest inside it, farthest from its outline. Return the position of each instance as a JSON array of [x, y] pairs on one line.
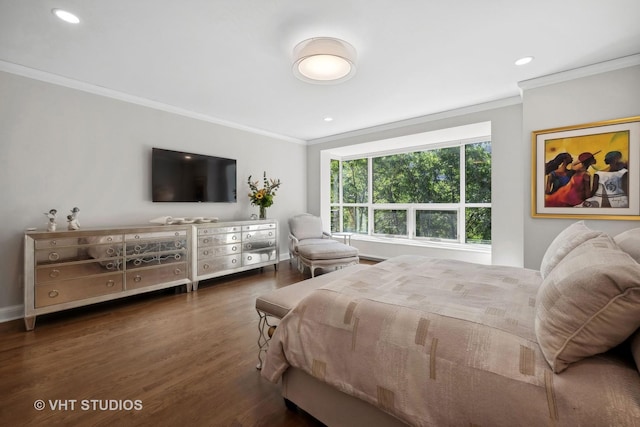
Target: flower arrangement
[[263, 197]]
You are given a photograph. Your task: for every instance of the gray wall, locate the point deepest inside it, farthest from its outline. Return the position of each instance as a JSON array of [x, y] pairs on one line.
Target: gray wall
[[62, 147], [604, 96], [507, 181]]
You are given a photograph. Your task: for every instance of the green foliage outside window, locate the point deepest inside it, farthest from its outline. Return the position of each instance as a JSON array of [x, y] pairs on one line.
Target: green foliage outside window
[[419, 177], [419, 181]]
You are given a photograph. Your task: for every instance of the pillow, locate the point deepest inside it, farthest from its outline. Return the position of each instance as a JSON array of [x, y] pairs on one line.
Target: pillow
[[629, 241], [589, 303], [568, 239]]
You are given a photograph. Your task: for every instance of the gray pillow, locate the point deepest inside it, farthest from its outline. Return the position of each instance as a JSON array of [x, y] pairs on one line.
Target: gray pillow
[[588, 304], [629, 241], [568, 239]]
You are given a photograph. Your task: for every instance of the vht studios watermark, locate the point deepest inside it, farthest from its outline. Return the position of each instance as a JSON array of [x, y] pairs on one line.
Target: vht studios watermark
[[88, 405]]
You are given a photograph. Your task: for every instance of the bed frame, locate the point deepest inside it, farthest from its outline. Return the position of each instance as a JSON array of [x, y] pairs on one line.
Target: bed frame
[[329, 405]]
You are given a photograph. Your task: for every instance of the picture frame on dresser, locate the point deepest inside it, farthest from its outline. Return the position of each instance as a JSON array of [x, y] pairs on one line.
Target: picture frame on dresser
[[587, 171]]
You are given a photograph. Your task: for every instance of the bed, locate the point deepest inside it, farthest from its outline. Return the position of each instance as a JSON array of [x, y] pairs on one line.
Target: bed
[[436, 342]]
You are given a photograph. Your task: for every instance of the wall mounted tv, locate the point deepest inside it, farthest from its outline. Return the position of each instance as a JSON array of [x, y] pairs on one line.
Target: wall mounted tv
[[188, 177]]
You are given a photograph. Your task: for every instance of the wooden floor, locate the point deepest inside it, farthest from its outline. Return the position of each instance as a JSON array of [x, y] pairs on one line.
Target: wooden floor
[[179, 359]]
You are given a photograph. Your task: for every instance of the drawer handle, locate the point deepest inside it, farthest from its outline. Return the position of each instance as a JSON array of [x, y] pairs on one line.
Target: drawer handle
[[137, 278], [248, 236], [234, 238], [205, 231], [136, 236], [177, 244], [109, 239], [205, 253], [177, 257], [205, 267], [137, 261], [205, 240], [271, 243], [110, 266], [110, 283], [270, 233], [54, 293], [233, 261], [248, 246], [177, 233], [54, 273], [54, 256], [110, 251], [177, 271], [234, 248], [53, 243]]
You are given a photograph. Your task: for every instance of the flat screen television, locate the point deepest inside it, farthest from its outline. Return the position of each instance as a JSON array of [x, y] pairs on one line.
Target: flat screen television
[[188, 177]]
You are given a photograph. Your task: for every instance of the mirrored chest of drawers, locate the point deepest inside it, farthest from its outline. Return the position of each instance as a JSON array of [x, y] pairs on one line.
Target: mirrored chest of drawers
[[229, 247], [69, 269]]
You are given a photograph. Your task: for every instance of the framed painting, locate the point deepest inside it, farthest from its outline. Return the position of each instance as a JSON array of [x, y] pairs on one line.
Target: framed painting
[[589, 171]]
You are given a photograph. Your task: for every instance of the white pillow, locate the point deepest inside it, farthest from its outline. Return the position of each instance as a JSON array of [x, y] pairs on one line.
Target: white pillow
[[629, 241], [588, 304], [568, 239]]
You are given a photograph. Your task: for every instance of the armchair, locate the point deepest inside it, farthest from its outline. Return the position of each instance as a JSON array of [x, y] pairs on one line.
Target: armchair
[[312, 247]]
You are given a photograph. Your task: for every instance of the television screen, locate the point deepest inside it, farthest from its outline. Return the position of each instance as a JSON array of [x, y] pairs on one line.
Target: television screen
[[187, 177]]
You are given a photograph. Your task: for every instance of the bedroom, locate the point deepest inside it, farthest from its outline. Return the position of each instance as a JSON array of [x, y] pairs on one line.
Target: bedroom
[[64, 146]]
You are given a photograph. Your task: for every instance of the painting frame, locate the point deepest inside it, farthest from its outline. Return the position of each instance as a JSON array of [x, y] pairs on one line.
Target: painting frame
[[587, 171]]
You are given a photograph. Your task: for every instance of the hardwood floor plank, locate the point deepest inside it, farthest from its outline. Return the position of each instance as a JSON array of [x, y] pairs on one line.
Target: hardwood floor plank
[[189, 358]]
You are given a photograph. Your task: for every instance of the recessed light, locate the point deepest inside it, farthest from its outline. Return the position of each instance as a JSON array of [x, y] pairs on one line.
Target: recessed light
[[66, 16], [524, 60], [328, 119]]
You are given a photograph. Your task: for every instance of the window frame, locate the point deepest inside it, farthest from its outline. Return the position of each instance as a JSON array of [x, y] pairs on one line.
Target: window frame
[[412, 208]]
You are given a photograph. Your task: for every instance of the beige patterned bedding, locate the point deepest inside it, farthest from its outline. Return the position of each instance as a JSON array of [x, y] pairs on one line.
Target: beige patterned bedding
[[442, 342]]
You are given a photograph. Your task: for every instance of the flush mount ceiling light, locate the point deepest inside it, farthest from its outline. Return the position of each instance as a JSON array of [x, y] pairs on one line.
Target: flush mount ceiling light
[[66, 16], [324, 60]]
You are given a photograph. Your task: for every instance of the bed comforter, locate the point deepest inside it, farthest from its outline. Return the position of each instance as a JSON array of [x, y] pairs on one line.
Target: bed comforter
[[439, 342]]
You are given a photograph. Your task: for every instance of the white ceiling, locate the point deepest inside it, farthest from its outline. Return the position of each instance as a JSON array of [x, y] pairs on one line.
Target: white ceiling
[[230, 60]]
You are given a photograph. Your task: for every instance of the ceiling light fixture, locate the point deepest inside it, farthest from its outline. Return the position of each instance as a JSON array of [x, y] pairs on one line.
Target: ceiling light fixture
[[324, 60], [66, 16], [525, 60]]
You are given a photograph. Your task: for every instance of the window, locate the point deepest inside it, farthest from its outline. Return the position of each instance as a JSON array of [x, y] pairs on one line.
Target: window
[[438, 193]]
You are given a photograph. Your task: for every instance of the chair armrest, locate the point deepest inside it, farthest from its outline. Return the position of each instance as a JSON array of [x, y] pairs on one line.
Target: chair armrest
[[293, 243], [324, 233]]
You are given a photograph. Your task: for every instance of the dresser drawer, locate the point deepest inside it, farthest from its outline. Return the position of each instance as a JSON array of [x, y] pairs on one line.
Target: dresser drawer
[[217, 251], [77, 289], [228, 262], [133, 237], [157, 259], [258, 244], [146, 246], [55, 273], [258, 227], [219, 239], [144, 277], [258, 235], [257, 257], [56, 243], [205, 231]]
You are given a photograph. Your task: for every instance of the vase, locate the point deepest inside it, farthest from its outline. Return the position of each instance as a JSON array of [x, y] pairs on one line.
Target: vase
[[263, 212]]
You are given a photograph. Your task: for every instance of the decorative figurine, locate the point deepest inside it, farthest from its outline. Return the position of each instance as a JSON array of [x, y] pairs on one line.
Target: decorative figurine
[[74, 219], [73, 223], [51, 225]]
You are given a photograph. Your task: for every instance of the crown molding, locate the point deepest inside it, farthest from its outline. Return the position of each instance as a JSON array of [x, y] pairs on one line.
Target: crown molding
[[55, 79], [589, 70]]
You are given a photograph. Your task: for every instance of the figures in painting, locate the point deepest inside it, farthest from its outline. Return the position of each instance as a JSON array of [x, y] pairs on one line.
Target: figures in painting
[[611, 185], [577, 188]]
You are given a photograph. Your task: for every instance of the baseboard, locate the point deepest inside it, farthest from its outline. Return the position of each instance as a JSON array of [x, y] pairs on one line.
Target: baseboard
[[11, 313]]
